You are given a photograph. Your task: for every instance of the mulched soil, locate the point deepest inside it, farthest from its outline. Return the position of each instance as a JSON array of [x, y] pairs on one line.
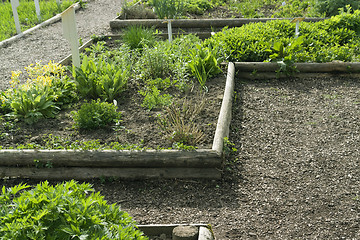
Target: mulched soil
[[295, 174]]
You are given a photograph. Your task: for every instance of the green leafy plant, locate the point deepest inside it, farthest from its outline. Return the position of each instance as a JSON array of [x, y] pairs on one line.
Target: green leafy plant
[[168, 9], [153, 98], [97, 78], [65, 211], [331, 7], [179, 123], [336, 38], [203, 64], [285, 56], [41, 96], [197, 6], [137, 37], [96, 114]]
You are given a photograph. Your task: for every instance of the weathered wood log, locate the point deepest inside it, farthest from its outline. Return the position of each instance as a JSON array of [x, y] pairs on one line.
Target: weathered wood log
[[122, 173], [223, 124], [205, 234], [330, 67], [157, 229], [195, 23], [185, 233], [201, 158]]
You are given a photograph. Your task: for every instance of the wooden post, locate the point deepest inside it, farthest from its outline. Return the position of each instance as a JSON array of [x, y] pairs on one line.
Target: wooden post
[[297, 20], [37, 9], [14, 5], [70, 33]]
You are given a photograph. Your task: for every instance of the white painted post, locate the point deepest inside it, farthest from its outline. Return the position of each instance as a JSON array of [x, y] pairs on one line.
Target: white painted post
[[297, 21], [14, 5], [169, 30], [70, 33], [58, 4], [37, 9]]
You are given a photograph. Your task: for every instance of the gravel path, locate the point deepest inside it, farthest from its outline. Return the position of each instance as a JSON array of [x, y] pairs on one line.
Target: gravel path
[[48, 43]]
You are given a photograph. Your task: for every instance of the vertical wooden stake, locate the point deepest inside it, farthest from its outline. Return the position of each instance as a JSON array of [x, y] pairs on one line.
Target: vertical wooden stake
[[58, 4], [297, 21], [169, 30], [37, 8], [70, 33], [14, 5]]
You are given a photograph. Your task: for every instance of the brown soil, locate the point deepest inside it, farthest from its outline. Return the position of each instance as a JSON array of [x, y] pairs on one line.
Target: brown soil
[[138, 125], [295, 174]]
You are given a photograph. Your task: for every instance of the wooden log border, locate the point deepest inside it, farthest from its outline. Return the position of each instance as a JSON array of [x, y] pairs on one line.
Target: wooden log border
[[118, 24], [156, 229], [266, 70]]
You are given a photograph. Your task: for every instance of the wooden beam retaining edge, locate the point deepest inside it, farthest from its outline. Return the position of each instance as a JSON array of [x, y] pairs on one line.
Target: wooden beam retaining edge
[[195, 23], [167, 229], [329, 67]]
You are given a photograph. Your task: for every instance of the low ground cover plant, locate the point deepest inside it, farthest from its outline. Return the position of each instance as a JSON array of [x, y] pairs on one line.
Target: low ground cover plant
[[333, 39], [68, 210], [27, 14]]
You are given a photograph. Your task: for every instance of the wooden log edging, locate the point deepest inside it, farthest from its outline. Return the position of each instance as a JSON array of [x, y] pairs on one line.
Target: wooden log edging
[[329, 67], [158, 229], [201, 158], [195, 23], [222, 128]]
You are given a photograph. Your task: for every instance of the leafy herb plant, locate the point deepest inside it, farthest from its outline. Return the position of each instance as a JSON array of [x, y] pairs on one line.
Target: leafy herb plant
[[66, 211], [96, 114]]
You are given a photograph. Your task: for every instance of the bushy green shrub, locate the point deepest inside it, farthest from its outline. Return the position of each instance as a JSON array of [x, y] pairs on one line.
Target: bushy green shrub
[[197, 6], [331, 7], [332, 39], [66, 211], [154, 99], [96, 114]]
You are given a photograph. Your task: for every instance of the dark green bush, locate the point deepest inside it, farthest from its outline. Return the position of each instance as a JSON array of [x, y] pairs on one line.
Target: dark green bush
[[331, 7], [66, 211], [96, 114]]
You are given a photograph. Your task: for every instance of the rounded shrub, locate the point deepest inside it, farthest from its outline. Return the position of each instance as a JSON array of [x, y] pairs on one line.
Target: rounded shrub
[[96, 114], [66, 211]]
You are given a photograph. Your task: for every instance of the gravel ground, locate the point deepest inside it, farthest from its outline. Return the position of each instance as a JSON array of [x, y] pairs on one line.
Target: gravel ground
[[48, 43]]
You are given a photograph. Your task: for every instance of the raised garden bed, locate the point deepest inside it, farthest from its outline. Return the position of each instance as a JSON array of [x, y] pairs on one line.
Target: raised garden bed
[[80, 164]]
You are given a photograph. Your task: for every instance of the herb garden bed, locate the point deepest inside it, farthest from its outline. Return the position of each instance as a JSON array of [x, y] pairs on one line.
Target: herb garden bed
[[140, 162]]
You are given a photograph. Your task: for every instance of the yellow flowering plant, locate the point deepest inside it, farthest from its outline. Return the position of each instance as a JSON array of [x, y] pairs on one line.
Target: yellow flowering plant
[[46, 89]]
